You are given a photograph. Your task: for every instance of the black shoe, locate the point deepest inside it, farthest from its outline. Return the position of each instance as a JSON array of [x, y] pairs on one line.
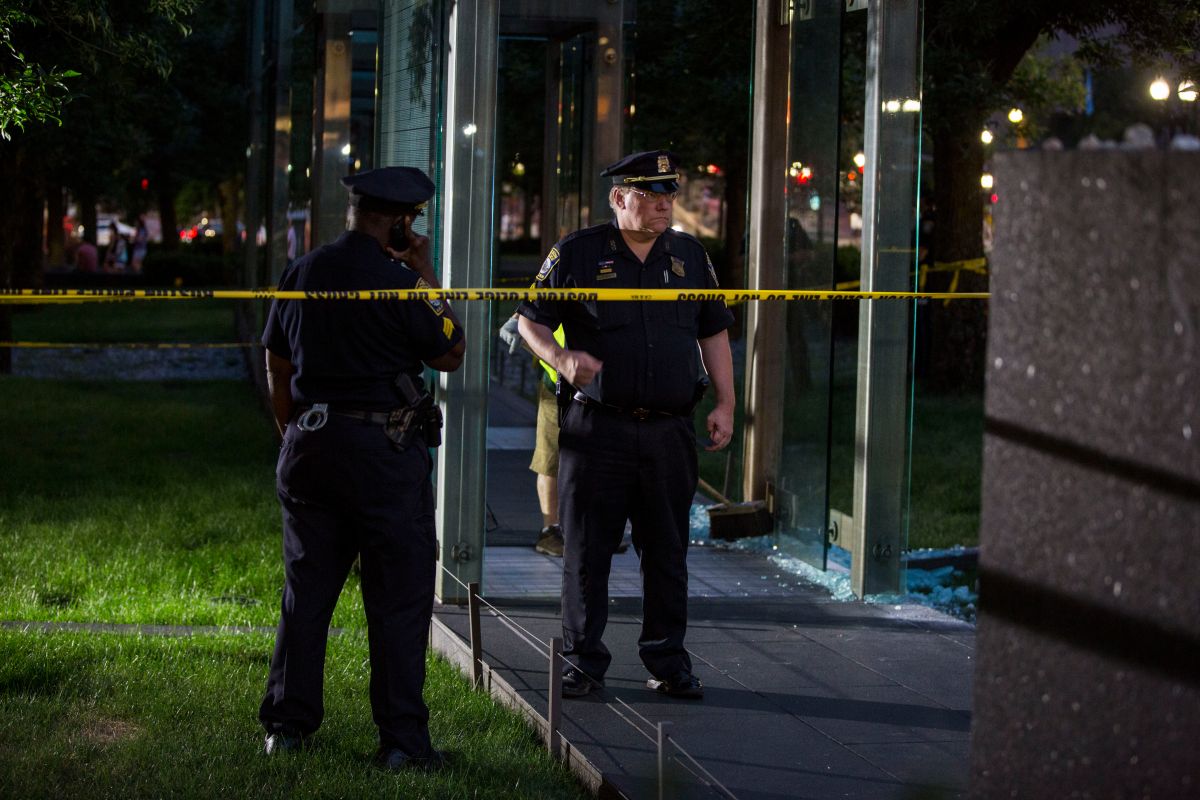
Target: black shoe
[[550, 542], [687, 686], [393, 759], [576, 684], [282, 743]]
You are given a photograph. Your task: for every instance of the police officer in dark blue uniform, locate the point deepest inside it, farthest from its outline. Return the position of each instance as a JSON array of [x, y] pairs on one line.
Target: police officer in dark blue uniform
[[627, 445], [353, 472]]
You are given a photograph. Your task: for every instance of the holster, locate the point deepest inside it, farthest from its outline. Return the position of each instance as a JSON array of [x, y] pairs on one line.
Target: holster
[[564, 393], [698, 393], [419, 415]]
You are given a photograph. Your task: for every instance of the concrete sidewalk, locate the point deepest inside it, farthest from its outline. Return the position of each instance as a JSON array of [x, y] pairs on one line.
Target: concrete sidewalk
[[805, 697]]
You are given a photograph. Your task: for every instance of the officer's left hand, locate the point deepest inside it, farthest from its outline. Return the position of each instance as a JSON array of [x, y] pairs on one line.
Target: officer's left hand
[[720, 427]]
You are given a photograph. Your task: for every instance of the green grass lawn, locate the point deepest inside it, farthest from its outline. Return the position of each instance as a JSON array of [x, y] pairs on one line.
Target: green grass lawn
[[154, 503], [126, 321], [116, 716]]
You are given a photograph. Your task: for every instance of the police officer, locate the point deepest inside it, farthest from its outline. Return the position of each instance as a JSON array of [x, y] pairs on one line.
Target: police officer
[[627, 445], [353, 472]]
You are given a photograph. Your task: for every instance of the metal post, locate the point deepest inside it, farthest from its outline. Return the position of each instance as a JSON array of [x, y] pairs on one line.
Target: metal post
[[554, 707], [664, 736], [765, 322], [470, 131], [476, 635], [892, 127]]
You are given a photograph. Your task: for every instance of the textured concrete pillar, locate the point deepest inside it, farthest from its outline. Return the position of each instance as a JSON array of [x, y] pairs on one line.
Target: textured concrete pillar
[[1088, 683]]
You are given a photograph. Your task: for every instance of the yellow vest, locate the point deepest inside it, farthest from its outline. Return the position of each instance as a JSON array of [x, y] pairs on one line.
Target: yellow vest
[[561, 338]]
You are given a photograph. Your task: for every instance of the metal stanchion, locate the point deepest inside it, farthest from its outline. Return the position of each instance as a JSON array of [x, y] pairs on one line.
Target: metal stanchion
[[476, 635], [664, 736], [554, 706]]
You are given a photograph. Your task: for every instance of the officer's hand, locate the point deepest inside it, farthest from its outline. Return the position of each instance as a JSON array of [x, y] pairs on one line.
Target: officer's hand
[[417, 254], [579, 367], [720, 427], [510, 336]]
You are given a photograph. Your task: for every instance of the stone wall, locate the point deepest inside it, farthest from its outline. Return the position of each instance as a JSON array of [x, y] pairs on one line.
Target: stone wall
[[1088, 681]]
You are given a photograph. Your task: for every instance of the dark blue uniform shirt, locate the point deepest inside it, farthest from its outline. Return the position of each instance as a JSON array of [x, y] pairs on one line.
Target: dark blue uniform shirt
[[649, 349], [347, 353]]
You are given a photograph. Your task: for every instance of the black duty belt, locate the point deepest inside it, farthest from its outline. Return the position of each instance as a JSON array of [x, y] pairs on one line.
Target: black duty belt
[[636, 413], [313, 418]]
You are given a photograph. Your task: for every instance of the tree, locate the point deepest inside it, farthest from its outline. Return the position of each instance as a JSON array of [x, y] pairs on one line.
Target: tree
[[114, 47], [974, 50], [685, 105]]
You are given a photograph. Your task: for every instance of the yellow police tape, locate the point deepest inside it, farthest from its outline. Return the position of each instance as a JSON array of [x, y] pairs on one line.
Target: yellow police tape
[[15, 296], [128, 345]]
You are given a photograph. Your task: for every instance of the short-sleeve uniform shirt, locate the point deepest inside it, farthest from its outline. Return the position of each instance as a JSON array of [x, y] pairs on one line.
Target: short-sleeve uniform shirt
[[648, 348], [347, 353]]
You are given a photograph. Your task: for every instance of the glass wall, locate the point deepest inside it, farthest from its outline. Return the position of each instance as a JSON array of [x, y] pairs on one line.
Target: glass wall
[[810, 248]]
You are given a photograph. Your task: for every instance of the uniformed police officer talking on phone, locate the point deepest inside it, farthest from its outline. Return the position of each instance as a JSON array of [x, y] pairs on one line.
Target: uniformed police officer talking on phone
[[627, 444], [353, 472]]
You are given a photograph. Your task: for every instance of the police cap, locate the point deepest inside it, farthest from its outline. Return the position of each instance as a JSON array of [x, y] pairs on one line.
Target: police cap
[[390, 190], [653, 170]]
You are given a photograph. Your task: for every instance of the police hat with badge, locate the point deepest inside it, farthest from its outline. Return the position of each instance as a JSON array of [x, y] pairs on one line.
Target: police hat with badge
[[651, 171], [390, 190]]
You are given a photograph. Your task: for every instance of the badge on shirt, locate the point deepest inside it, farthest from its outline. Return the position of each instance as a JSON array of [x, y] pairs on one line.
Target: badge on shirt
[[448, 327], [437, 306], [548, 265], [677, 266], [604, 270]]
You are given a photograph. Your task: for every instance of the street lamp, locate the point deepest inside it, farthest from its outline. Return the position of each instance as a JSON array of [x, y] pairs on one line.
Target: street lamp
[[986, 137], [1015, 115], [1187, 91], [1160, 90]]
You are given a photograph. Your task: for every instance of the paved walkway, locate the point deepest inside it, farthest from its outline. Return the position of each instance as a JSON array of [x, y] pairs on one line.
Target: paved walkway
[[805, 697]]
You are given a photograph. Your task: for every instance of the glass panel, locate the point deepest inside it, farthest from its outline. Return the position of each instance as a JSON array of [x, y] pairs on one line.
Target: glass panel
[[410, 100], [811, 249]]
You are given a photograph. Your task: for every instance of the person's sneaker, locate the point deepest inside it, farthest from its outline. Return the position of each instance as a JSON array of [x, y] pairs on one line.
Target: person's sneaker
[[277, 743], [550, 542], [687, 686], [393, 759], [576, 684]]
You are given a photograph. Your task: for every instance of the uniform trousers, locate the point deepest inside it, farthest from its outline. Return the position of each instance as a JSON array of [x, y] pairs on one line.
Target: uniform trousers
[[346, 491], [614, 468]]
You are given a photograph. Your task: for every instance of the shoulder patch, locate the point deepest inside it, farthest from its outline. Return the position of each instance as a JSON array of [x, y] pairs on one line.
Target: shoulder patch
[[437, 306], [712, 273], [548, 265]]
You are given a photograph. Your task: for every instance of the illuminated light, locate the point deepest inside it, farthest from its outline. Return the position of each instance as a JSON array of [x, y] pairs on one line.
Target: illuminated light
[[1187, 91], [518, 169], [1160, 89], [860, 160], [289, 168], [912, 106], [814, 202], [357, 164], [1015, 115], [308, 172], [995, 198], [794, 169], [986, 137], [891, 106], [145, 184], [713, 169], [210, 233], [346, 150], [632, 111], [852, 176], [204, 220], [469, 129], [986, 180]]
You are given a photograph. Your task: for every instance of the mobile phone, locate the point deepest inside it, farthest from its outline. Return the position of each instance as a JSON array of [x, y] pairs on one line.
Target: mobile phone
[[398, 238]]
